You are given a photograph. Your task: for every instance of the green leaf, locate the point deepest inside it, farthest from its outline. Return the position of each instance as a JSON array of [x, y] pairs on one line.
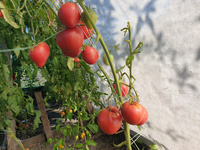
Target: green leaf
[[129, 60], [58, 126], [29, 108], [139, 46], [49, 141], [15, 3], [27, 68], [86, 67], [93, 127], [8, 123], [68, 87], [51, 15], [91, 143], [75, 129], [45, 74], [70, 63], [16, 109], [43, 14], [85, 118], [7, 16], [79, 145], [69, 115], [37, 119], [77, 86], [67, 131], [6, 71], [153, 147]]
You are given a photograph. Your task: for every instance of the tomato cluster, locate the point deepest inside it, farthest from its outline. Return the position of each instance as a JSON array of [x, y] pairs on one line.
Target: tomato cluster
[[134, 113], [110, 118], [71, 39]]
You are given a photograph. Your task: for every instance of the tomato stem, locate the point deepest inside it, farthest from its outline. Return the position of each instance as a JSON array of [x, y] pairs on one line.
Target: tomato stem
[[110, 83], [127, 135], [99, 37], [15, 138]]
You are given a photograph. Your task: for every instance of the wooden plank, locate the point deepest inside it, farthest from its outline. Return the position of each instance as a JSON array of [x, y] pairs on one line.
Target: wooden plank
[[44, 117], [31, 142], [38, 139]]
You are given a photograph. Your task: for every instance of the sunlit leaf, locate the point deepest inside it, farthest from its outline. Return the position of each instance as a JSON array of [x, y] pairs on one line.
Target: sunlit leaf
[[70, 63], [7, 16], [93, 127], [91, 143]]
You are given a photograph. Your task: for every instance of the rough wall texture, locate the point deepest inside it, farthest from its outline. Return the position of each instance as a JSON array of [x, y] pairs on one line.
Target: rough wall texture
[[167, 70]]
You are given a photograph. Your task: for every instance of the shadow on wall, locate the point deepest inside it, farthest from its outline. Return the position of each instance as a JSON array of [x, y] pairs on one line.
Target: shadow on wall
[[164, 53], [183, 74], [105, 22]]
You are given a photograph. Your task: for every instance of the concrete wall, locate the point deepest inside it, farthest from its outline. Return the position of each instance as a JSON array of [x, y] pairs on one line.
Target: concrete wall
[[167, 70]]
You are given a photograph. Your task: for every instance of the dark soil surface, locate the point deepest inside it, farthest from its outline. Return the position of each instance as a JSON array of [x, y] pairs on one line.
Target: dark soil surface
[[104, 142]]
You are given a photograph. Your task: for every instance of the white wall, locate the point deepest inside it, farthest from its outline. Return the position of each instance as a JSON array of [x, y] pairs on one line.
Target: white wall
[[167, 70]]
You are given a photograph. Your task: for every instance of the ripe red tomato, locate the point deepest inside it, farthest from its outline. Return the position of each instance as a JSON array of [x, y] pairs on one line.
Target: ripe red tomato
[[26, 126], [86, 32], [72, 54], [14, 76], [132, 113], [1, 14], [144, 117], [69, 14], [77, 60], [124, 89], [90, 55], [109, 120], [70, 41], [62, 113], [39, 54]]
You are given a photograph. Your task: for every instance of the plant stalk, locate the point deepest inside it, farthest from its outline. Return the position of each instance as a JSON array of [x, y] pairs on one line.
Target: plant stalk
[[99, 37], [127, 135], [109, 82]]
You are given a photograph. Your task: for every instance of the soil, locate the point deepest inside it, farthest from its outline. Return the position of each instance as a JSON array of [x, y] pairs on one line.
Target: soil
[[104, 142]]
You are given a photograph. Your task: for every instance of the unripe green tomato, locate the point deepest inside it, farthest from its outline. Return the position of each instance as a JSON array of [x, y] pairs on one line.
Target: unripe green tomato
[[87, 21], [105, 59]]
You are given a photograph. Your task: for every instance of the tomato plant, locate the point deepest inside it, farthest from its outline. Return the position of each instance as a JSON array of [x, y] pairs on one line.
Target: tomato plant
[[90, 55], [109, 120], [74, 87], [69, 14], [39, 54]]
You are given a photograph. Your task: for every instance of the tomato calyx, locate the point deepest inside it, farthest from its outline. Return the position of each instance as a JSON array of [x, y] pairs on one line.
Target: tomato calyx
[[133, 102]]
